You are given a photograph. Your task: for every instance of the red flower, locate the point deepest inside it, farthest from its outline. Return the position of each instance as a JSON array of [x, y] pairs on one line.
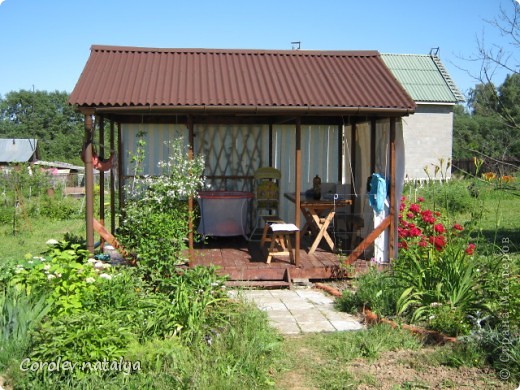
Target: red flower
[[458, 227], [427, 217], [438, 241], [410, 215], [415, 232], [470, 249], [423, 243], [414, 207], [420, 199], [439, 228]]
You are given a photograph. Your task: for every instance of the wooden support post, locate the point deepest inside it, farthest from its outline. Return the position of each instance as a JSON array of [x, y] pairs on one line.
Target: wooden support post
[[101, 153], [297, 189], [373, 146], [89, 183], [339, 178], [393, 215], [120, 168], [353, 154], [112, 183], [191, 250]]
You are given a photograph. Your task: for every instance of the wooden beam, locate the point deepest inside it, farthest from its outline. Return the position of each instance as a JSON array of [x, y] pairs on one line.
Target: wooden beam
[[353, 154], [373, 146], [89, 184], [191, 140], [393, 215], [120, 168], [297, 189], [369, 240], [340, 154], [112, 183], [101, 153]]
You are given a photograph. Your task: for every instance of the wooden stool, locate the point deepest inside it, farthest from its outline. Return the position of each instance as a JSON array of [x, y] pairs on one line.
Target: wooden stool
[[268, 221], [280, 238]]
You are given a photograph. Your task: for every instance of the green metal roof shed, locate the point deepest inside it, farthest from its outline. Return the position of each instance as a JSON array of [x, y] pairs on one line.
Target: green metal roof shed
[[424, 77]]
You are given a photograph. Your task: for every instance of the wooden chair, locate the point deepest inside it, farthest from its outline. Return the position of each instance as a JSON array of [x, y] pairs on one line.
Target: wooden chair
[[267, 196]]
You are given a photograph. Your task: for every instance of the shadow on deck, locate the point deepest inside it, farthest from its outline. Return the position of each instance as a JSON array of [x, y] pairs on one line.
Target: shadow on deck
[[244, 260]]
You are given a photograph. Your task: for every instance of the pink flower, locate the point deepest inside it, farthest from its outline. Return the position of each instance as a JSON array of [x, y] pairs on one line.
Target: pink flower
[[439, 228], [470, 249]]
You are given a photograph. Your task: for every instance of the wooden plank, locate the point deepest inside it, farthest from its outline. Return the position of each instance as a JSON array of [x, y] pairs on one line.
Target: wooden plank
[[258, 283], [108, 237], [369, 240]]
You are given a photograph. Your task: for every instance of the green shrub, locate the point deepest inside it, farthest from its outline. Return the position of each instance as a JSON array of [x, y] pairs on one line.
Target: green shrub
[[453, 196], [156, 221], [58, 208], [376, 290], [62, 275]]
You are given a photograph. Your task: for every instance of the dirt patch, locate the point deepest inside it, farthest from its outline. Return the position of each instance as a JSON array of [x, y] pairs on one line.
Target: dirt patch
[[413, 370]]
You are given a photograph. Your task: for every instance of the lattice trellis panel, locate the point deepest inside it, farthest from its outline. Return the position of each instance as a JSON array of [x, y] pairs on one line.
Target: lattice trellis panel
[[232, 154]]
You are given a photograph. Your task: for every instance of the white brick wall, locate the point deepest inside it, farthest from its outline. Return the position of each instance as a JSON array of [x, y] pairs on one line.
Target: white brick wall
[[428, 138]]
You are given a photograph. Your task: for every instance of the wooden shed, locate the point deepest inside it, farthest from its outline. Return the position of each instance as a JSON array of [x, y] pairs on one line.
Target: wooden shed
[[336, 114]]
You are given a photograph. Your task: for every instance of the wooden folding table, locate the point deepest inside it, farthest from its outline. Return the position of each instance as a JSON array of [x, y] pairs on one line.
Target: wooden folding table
[[318, 216]]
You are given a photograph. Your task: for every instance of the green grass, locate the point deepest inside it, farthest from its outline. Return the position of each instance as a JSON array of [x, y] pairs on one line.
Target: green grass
[[34, 235], [321, 360]]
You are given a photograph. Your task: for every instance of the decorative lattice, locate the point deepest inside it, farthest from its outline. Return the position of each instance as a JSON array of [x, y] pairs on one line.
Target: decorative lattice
[[232, 155]]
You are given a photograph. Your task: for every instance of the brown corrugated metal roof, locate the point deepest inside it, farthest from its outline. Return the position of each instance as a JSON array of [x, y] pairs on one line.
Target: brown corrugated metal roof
[[146, 77]]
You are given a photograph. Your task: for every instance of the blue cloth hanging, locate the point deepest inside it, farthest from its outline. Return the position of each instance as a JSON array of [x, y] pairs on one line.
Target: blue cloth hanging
[[378, 191]]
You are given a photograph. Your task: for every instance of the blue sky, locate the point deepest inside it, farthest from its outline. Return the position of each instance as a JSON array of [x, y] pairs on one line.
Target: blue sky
[[45, 43]]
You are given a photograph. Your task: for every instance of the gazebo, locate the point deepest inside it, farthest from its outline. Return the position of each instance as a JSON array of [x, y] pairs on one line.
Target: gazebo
[[336, 114]]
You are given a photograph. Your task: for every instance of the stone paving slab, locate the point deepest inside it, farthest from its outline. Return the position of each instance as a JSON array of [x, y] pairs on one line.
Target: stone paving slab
[[300, 310]]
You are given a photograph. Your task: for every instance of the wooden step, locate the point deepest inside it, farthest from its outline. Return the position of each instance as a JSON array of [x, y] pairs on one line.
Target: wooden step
[[265, 284]]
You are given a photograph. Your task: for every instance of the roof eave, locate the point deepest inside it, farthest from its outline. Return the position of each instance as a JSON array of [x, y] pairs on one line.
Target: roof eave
[[253, 110]]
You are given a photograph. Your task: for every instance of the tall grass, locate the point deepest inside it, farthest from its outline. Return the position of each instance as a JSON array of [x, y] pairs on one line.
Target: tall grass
[[19, 316]]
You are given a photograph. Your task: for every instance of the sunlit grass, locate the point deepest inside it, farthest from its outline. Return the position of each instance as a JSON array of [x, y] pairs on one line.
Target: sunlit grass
[[33, 235]]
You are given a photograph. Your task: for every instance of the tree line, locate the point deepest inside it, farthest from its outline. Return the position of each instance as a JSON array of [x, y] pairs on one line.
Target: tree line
[[490, 124], [47, 117], [487, 126]]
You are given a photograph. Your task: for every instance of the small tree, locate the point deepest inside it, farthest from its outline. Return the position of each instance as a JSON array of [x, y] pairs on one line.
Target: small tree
[[156, 216]]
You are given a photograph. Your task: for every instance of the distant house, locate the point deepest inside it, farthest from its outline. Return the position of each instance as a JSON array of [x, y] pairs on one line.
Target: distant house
[[428, 133], [18, 150]]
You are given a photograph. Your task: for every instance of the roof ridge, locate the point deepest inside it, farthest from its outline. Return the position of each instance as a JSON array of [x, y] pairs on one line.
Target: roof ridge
[[300, 52]]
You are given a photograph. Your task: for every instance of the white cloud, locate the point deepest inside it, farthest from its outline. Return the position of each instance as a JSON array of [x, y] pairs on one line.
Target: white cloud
[[1, 1]]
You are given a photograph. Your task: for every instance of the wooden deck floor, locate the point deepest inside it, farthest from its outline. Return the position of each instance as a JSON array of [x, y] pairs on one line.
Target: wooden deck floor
[[244, 260]]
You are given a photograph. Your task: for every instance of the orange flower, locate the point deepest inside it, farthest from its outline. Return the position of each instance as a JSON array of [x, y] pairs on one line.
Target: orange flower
[[489, 176], [507, 179]]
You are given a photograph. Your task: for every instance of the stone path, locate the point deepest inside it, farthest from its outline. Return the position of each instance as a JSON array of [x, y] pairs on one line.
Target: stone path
[[300, 310]]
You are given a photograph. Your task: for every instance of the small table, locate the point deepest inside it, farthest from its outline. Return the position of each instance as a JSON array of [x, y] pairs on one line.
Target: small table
[[318, 215]]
